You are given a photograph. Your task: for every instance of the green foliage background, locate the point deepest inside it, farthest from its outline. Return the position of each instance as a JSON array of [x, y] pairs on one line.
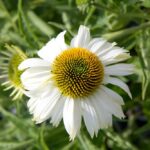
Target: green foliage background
[[29, 24]]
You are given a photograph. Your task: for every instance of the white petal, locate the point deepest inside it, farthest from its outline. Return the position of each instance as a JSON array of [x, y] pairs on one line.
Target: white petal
[[117, 59], [72, 117], [96, 44], [113, 95], [57, 113], [53, 48], [105, 48], [119, 83], [114, 51], [32, 104], [40, 91], [90, 117], [43, 109], [105, 118], [33, 62], [82, 38], [36, 72], [119, 69], [100, 46], [32, 78], [115, 54], [108, 103]]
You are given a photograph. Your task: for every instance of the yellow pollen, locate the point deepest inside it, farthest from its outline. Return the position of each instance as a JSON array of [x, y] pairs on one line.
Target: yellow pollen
[[77, 72]]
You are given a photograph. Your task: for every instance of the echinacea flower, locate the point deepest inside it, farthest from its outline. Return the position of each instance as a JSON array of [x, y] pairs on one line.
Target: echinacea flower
[[10, 74], [69, 82]]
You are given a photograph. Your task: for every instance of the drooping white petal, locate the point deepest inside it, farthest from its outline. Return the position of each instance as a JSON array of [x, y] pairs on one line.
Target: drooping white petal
[[57, 113], [72, 117], [119, 69], [32, 103], [33, 62], [82, 38], [45, 105], [118, 82], [90, 117], [105, 118], [113, 95], [53, 48], [108, 104]]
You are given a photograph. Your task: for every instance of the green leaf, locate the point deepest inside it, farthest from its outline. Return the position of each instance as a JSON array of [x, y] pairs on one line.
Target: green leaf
[[25, 27], [125, 32], [40, 24]]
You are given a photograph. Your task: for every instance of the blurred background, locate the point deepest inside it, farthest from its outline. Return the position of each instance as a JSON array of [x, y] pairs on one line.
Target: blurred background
[[29, 24]]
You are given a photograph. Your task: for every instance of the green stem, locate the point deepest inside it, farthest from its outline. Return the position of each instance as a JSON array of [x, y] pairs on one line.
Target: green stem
[[82, 142], [101, 7], [42, 141], [122, 33]]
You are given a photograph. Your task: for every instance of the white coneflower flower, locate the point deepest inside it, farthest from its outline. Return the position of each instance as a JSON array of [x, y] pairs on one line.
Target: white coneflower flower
[[10, 74], [69, 82]]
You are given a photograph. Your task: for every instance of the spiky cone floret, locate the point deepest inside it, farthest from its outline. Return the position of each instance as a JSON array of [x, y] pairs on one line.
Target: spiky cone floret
[[9, 73], [69, 82]]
